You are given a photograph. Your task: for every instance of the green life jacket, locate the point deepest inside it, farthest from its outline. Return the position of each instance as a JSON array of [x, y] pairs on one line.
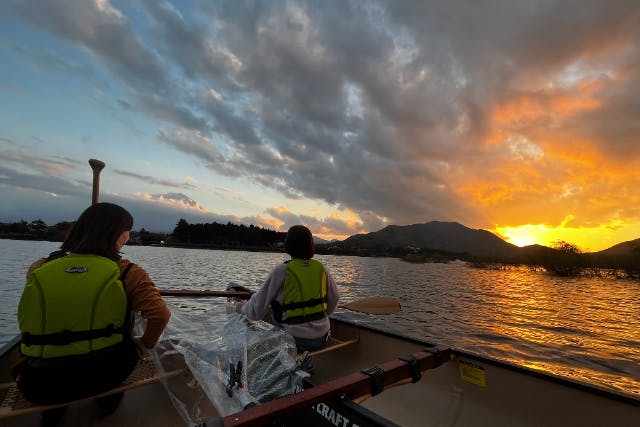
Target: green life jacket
[[72, 305], [305, 293]]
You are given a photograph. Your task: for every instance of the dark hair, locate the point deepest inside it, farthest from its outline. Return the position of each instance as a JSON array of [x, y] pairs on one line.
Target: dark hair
[[98, 229], [299, 242]]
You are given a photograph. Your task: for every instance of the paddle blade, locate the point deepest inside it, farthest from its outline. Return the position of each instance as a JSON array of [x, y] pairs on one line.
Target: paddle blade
[[373, 305]]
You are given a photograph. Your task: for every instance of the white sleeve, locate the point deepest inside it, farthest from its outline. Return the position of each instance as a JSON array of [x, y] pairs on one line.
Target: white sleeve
[[258, 304], [333, 295]]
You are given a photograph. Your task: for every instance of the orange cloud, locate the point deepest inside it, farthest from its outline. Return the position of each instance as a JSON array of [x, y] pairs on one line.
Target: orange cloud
[[526, 109], [538, 114], [337, 225]]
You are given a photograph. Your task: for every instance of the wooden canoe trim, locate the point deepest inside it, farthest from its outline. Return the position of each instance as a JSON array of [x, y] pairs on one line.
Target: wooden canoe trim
[[203, 293], [353, 386]]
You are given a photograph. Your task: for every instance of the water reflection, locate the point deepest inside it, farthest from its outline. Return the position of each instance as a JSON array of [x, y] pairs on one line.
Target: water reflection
[[583, 328]]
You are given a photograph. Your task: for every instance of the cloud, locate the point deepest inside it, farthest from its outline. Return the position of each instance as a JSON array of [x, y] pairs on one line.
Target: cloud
[[21, 169], [157, 181], [332, 226], [400, 112], [49, 61], [101, 28], [178, 200], [40, 182]]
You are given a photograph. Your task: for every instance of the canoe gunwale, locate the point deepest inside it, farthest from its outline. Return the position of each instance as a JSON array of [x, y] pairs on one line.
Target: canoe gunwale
[[355, 385], [547, 376]]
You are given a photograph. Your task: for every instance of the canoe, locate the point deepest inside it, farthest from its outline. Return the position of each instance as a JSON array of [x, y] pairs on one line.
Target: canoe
[[434, 386]]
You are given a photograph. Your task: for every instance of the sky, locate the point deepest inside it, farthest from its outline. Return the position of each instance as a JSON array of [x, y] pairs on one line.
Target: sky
[[517, 117]]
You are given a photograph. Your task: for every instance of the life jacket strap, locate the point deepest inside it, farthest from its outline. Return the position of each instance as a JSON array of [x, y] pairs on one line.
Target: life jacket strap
[[56, 254], [302, 304], [278, 312], [67, 337], [125, 271]]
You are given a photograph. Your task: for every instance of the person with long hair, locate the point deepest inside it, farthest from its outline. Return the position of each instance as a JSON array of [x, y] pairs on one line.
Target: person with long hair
[[301, 294], [76, 313]]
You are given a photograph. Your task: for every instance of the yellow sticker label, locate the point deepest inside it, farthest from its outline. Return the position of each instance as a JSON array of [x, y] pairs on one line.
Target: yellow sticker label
[[472, 373]]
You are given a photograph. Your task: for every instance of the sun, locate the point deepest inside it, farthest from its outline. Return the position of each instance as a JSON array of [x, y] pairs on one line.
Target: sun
[[524, 235]]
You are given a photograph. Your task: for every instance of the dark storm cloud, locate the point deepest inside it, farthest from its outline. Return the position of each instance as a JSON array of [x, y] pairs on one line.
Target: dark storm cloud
[[319, 97], [381, 107]]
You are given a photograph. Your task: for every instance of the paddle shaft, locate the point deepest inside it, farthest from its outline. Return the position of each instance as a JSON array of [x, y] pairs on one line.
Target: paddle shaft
[[204, 293], [372, 305], [96, 166]]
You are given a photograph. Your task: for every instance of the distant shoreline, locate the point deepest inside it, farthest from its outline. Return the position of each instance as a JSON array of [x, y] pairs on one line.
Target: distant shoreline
[[32, 238], [553, 262]]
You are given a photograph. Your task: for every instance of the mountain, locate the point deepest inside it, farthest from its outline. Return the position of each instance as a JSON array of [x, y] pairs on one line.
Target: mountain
[[436, 235], [320, 241], [624, 248], [455, 238]]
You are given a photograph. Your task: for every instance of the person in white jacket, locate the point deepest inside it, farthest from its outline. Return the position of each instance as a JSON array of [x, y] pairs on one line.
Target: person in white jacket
[[301, 293]]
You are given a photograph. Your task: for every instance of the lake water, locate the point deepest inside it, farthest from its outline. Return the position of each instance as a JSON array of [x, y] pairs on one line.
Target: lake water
[[582, 328]]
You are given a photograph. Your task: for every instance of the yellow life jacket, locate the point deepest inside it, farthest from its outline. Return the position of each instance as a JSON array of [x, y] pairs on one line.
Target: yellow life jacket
[[72, 305], [305, 293]]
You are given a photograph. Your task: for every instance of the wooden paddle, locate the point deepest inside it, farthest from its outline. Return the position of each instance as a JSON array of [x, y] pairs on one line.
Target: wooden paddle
[[372, 305], [204, 293], [96, 166]]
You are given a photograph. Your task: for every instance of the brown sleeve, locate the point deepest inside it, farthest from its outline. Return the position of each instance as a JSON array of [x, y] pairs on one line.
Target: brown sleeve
[[35, 265], [143, 296]]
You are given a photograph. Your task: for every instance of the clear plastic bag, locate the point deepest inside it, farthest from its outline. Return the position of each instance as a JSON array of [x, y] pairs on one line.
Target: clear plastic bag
[[233, 363]]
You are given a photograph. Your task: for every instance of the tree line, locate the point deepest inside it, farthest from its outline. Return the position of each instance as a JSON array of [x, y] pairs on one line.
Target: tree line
[[184, 234], [35, 230], [225, 235], [39, 230], [568, 260]]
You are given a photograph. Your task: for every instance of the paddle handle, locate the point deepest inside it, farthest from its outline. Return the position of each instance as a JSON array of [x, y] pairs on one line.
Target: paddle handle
[[96, 166]]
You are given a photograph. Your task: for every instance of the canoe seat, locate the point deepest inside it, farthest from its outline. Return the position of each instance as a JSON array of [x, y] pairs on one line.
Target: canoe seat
[[14, 404]]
